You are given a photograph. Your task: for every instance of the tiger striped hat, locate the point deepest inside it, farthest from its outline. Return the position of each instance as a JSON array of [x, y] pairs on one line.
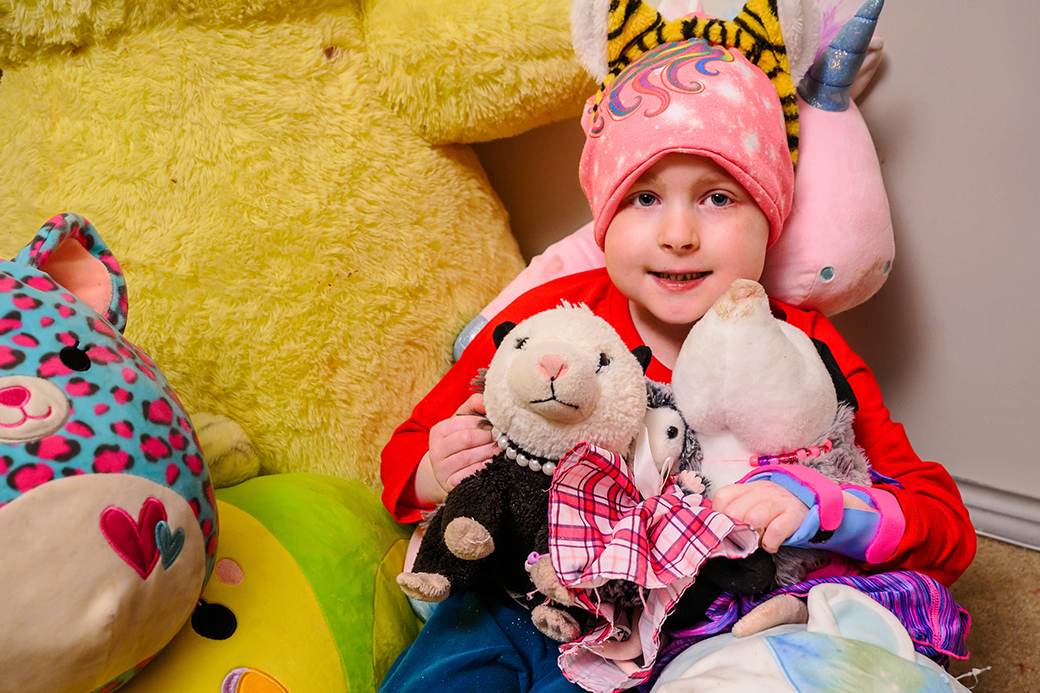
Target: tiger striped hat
[[697, 85]]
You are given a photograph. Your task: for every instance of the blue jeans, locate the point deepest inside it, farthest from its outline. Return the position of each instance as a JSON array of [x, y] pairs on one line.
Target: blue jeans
[[479, 641]]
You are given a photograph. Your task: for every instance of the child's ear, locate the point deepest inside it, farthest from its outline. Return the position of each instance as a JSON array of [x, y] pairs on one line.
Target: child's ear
[[69, 249]]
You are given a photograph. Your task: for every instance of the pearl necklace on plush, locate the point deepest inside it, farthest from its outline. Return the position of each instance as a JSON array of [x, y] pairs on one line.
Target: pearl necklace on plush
[[523, 458]]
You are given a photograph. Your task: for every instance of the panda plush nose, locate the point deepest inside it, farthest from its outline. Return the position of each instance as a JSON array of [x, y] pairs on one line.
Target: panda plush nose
[[552, 366]]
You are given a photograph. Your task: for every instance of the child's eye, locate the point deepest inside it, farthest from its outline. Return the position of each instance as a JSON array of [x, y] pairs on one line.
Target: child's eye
[[644, 199], [720, 199]]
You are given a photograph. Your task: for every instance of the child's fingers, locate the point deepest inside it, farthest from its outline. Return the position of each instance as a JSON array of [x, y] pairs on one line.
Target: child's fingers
[[460, 422], [782, 527], [757, 512], [772, 510], [465, 438], [471, 461], [731, 498], [474, 406], [456, 434]]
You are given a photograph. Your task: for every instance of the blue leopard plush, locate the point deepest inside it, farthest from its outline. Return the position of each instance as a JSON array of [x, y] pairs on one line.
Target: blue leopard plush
[[107, 521]]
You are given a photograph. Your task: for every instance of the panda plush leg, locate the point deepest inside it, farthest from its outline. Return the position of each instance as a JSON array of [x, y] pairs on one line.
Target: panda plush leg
[[437, 572]]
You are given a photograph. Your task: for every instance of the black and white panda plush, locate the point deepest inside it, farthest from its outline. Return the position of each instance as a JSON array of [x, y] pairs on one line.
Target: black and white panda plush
[[560, 378]]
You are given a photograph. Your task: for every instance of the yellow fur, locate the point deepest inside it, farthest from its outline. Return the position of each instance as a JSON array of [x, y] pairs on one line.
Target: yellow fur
[[284, 183]]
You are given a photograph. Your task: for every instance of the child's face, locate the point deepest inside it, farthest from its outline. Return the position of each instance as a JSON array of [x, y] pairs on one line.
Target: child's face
[[685, 231]]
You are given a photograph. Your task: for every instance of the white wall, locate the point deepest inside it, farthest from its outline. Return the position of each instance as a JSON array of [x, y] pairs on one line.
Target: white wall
[[953, 336]]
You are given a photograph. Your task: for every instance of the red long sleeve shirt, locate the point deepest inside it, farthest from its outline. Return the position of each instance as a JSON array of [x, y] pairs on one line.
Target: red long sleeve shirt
[[939, 539]]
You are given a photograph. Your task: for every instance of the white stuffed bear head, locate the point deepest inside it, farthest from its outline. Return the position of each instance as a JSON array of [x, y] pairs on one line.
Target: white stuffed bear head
[[750, 384], [564, 377]]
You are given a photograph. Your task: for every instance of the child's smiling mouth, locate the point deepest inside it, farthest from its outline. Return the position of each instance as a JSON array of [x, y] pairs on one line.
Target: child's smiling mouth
[[684, 277]]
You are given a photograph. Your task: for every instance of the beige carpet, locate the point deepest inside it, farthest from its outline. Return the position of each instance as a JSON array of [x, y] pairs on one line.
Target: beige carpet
[[1001, 591]]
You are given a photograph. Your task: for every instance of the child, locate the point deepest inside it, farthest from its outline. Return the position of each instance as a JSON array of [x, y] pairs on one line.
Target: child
[[689, 176]]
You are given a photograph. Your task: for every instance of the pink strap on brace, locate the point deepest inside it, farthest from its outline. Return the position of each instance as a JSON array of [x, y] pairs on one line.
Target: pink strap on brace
[[891, 528], [828, 494]]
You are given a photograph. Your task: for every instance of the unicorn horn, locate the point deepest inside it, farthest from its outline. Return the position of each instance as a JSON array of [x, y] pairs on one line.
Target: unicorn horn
[[826, 85]]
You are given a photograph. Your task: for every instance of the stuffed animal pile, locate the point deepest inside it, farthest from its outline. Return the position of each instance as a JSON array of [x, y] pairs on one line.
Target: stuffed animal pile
[[749, 387], [675, 452], [291, 193], [560, 378], [108, 525]]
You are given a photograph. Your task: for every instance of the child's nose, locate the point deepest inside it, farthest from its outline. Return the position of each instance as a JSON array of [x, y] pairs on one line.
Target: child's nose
[[679, 231]]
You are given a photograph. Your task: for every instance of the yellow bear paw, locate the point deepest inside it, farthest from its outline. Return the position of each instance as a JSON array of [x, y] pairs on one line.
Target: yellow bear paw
[[227, 449]]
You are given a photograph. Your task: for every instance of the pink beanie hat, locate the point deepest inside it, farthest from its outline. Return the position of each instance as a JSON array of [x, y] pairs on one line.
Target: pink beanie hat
[[691, 97]]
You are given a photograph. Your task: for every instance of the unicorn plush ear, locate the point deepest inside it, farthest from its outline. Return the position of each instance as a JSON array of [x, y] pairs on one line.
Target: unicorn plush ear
[[800, 26], [589, 35], [69, 249]]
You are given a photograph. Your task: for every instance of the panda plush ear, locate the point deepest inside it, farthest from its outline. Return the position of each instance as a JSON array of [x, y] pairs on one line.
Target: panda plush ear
[[69, 249], [643, 355], [501, 331]]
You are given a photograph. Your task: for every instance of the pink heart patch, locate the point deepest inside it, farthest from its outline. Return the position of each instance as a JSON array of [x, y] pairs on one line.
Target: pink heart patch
[[134, 541]]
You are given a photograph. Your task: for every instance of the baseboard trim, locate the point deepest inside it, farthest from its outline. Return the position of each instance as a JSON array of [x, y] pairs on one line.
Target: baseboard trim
[[1002, 515]]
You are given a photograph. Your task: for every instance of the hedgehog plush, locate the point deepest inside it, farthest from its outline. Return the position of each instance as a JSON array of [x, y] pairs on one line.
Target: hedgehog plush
[[107, 518], [759, 392], [560, 378], [674, 450]]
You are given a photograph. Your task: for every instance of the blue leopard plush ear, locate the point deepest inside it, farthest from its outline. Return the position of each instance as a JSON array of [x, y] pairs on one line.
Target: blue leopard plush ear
[[69, 249]]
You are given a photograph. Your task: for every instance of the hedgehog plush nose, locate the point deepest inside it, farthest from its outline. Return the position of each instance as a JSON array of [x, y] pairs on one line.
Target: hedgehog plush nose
[[552, 366]]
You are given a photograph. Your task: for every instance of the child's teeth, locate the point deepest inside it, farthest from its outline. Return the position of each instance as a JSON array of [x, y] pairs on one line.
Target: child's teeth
[[679, 277]]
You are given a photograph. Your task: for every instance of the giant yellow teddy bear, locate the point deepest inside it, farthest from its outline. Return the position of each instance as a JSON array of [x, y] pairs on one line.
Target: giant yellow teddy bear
[[288, 187]]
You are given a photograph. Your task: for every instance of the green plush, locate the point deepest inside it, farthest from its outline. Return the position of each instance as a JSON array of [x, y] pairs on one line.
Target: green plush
[[302, 597], [289, 187]]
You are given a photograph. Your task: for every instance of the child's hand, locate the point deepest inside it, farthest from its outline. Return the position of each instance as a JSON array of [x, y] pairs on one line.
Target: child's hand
[[461, 445], [769, 508]]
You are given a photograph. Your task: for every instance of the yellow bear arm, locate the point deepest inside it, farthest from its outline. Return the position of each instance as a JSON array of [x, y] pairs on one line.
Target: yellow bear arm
[[475, 71]]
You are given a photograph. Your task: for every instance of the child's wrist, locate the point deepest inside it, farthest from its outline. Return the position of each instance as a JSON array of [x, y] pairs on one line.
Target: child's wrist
[[869, 530], [424, 489]]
